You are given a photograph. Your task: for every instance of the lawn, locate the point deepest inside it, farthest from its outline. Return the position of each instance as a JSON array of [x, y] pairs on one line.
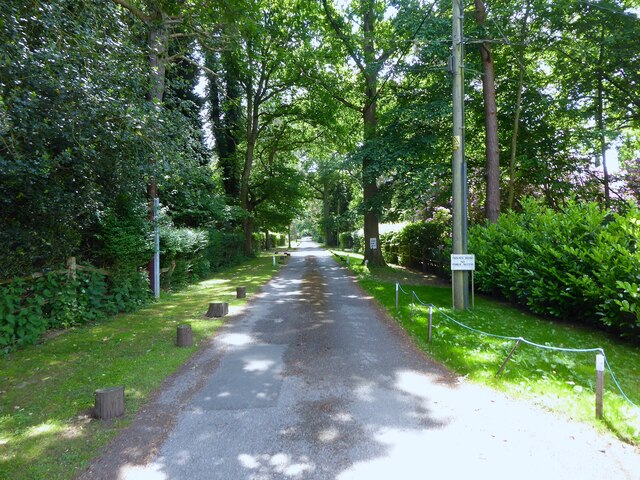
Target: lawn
[[561, 382], [47, 390]]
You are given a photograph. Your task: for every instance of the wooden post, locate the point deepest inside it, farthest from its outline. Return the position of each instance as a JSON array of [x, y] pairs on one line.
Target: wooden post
[[430, 324], [217, 309], [241, 292], [599, 385], [397, 287], [504, 364], [72, 267], [109, 403], [184, 336]]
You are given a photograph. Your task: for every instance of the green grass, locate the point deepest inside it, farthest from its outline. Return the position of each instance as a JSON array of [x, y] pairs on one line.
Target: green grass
[[47, 391], [561, 382]]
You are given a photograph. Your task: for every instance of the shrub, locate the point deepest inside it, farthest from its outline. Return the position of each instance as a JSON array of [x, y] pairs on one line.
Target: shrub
[[578, 264], [30, 308], [345, 240]]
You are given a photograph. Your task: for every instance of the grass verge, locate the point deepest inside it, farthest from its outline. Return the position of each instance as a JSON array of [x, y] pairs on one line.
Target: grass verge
[[47, 391], [560, 382]]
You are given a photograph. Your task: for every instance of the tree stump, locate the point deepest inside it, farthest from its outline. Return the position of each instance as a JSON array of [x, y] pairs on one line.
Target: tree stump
[[241, 292], [185, 336], [109, 403], [217, 309]]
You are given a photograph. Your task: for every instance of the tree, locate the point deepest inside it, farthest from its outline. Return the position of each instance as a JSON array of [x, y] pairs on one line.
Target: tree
[[492, 202]]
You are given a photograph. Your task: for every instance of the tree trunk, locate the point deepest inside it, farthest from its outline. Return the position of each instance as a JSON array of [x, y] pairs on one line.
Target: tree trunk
[[252, 136], [492, 203], [370, 119], [518, 109], [601, 122]]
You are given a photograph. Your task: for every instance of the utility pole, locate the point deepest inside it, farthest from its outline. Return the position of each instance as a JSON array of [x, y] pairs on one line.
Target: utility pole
[[460, 279]]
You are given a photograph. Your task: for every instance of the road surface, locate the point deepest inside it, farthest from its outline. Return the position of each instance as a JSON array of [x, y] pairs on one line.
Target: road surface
[[312, 381]]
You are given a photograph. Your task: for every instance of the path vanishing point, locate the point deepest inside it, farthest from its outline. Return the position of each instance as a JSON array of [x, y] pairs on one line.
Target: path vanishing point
[[312, 381]]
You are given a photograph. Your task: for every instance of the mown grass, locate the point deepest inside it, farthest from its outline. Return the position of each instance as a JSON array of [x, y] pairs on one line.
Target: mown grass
[[47, 391], [561, 382]]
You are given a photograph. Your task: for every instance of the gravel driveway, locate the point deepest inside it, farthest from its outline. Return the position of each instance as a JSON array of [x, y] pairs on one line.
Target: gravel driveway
[[312, 381]]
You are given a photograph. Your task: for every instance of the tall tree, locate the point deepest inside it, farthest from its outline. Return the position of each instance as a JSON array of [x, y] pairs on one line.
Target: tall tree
[[492, 146]]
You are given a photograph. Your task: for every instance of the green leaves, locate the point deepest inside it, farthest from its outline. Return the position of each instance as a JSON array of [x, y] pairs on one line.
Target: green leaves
[[578, 264]]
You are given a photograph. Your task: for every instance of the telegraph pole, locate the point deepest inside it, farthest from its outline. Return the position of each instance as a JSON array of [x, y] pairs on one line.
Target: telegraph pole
[[460, 279]]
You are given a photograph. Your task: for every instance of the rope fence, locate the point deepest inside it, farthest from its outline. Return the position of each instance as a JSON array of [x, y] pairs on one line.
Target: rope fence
[[601, 362]]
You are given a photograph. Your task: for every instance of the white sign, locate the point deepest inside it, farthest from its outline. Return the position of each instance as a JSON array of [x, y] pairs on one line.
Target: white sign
[[463, 262], [373, 243]]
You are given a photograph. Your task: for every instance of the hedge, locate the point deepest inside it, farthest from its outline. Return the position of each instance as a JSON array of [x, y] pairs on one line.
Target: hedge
[[580, 264]]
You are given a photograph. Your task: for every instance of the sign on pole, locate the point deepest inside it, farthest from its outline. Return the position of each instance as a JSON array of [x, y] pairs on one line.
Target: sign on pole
[[373, 243], [466, 262]]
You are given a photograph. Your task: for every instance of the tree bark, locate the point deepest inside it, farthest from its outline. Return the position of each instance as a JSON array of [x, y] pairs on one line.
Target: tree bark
[[601, 122], [370, 119], [518, 110], [492, 202]]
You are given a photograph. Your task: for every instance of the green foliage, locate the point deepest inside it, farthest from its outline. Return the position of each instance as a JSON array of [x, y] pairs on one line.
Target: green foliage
[[43, 439], [579, 264], [345, 240], [420, 245], [30, 308]]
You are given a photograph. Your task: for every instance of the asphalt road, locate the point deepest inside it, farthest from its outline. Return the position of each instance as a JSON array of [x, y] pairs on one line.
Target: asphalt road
[[313, 382]]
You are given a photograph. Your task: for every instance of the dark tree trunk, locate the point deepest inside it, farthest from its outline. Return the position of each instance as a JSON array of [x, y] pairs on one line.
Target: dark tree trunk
[[492, 203], [370, 118]]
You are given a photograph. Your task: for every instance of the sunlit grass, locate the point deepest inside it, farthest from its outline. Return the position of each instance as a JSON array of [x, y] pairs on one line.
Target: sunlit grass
[[47, 390], [561, 382]]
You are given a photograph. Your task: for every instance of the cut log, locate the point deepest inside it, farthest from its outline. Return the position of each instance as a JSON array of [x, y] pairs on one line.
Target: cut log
[[109, 403], [184, 336], [241, 292], [217, 309]]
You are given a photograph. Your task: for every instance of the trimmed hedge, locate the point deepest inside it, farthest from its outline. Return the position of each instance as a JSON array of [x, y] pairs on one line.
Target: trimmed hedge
[[30, 308], [580, 264]]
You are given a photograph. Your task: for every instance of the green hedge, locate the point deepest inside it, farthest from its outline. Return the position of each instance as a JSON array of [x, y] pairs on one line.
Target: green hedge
[[421, 245], [28, 308], [580, 264]]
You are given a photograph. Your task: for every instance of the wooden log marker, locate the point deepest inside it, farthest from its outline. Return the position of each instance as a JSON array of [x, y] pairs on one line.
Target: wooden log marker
[[184, 336], [241, 292], [217, 309], [109, 403]]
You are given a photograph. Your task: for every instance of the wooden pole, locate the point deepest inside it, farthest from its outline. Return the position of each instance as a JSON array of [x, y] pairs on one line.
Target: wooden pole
[[184, 336], [217, 309], [504, 364], [109, 403], [72, 267], [599, 385], [397, 288]]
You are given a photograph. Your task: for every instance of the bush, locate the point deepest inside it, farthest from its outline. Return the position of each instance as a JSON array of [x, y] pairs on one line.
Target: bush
[[421, 245], [580, 264], [345, 240], [30, 308]]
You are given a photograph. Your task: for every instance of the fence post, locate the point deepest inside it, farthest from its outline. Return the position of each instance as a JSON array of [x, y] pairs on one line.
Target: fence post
[[72, 267], [504, 364], [430, 323], [397, 285], [599, 385]]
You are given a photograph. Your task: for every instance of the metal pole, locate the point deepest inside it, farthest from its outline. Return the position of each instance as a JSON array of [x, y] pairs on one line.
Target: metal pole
[[430, 324], [156, 255], [460, 278]]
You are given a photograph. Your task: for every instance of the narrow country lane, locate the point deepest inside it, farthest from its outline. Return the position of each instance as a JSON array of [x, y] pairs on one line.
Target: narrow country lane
[[313, 382]]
